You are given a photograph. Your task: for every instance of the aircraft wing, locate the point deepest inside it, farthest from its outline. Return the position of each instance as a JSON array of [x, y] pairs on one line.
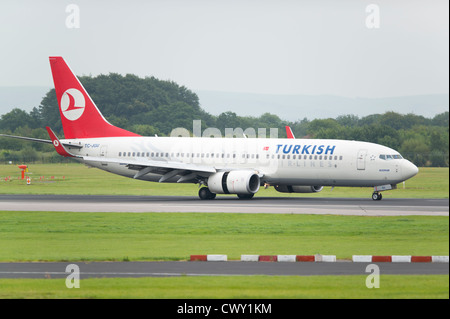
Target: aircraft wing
[[38, 140], [185, 171]]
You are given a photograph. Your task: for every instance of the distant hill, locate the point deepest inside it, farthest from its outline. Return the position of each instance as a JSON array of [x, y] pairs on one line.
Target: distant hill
[[297, 107], [287, 107]]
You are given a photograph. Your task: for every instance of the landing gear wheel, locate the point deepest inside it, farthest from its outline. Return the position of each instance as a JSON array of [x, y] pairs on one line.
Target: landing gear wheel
[[377, 196], [205, 193], [245, 196]]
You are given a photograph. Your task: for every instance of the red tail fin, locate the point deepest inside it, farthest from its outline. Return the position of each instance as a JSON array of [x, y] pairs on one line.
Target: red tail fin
[[79, 115]]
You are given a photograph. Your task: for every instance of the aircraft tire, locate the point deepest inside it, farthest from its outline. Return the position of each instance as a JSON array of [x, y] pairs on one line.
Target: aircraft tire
[[377, 196], [204, 193], [245, 196]]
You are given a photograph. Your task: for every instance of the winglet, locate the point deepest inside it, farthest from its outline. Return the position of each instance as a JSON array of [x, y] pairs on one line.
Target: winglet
[[60, 149], [289, 132]]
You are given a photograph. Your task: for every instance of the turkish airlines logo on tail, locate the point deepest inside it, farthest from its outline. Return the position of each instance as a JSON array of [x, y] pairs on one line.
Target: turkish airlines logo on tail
[[72, 104]]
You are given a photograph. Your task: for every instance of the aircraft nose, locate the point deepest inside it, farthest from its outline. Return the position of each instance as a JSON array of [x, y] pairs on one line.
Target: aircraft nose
[[409, 170]]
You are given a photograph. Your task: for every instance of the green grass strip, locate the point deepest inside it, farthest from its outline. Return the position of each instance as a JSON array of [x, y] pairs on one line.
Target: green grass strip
[[71, 179], [253, 287], [65, 236]]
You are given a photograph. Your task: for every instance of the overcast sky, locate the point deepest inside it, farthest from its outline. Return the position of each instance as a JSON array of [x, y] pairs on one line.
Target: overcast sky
[[276, 47]]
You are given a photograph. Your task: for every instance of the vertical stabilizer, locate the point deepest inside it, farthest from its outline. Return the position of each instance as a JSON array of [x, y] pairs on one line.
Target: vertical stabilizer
[[79, 115]]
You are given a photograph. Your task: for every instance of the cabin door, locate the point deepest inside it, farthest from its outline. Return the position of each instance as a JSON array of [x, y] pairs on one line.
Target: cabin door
[[361, 160]]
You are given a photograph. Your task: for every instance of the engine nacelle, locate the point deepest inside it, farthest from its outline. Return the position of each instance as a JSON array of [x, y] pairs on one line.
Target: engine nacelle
[[298, 189], [234, 182]]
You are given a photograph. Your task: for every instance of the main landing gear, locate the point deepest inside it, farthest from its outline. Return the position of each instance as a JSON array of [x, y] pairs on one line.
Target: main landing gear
[[205, 193]]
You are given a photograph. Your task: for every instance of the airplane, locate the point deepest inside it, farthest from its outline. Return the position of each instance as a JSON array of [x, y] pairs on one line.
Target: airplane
[[218, 165]]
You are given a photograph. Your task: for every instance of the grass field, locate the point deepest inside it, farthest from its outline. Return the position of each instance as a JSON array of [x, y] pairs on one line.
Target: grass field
[[240, 287], [56, 236], [62, 236], [79, 179]]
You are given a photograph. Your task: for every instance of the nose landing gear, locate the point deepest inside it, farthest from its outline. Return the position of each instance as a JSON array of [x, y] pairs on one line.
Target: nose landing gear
[[378, 189], [377, 196]]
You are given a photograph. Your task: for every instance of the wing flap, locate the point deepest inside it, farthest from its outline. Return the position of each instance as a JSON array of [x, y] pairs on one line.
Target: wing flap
[[145, 166]]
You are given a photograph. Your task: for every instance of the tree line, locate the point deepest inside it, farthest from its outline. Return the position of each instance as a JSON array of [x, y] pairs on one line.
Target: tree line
[[150, 106]]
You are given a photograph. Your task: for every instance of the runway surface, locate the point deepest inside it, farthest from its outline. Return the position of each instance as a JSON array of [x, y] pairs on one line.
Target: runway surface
[[230, 268], [226, 204]]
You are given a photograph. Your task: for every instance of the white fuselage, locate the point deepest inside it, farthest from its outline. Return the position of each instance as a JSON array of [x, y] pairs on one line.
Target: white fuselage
[[281, 161]]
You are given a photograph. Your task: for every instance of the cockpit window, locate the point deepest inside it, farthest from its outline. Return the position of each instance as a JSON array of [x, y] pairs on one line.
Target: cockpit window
[[388, 157]]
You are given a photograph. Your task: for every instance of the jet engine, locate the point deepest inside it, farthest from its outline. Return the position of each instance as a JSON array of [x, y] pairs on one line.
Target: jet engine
[[298, 189], [234, 182]]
